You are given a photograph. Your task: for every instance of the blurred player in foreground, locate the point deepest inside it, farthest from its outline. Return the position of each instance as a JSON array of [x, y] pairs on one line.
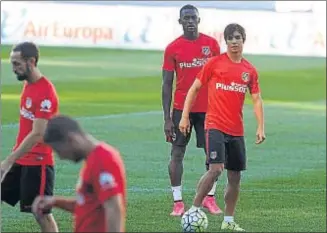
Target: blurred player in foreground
[[186, 55], [100, 202], [228, 76], [29, 170]]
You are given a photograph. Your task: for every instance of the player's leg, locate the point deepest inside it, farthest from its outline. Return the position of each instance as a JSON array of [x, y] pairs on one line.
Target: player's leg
[[209, 201], [175, 166], [216, 158], [38, 180], [10, 187], [235, 163]]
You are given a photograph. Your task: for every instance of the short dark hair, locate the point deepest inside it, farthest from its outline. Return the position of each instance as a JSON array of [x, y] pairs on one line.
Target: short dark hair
[[231, 28], [28, 50], [188, 7], [59, 127]]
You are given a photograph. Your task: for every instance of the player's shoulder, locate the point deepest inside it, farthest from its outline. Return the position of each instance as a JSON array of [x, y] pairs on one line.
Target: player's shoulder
[[105, 156], [106, 152], [218, 58], [248, 64], [222, 56], [175, 43], [46, 84], [207, 37]]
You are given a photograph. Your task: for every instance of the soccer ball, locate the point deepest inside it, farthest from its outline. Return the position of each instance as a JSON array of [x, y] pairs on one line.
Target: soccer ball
[[194, 220]]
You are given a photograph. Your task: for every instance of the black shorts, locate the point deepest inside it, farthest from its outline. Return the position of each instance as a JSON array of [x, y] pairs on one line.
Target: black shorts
[[25, 183], [197, 121], [227, 149]]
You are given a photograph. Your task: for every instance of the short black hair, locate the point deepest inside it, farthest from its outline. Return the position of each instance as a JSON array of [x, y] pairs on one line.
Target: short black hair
[[59, 127], [188, 7], [28, 50], [231, 28]]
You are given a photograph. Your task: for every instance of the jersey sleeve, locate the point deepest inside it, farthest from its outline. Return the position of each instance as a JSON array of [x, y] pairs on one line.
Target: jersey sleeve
[[107, 175], [169, 60], [254, 86], [47, 104], [205, 74], [215, 48]]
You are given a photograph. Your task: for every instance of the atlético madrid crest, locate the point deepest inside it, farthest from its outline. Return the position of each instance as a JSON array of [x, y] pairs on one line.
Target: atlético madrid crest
[[206, 50], [245, 76], [28, 102]]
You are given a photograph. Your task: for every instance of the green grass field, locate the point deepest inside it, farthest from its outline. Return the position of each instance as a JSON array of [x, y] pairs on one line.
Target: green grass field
[[116, 95]]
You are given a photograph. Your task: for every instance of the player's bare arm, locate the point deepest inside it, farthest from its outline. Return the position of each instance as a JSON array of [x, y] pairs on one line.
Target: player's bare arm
[[167, 92], [184, 125], [258, 111], [35, 136], [114, 214], [42, 203], [65, 203]]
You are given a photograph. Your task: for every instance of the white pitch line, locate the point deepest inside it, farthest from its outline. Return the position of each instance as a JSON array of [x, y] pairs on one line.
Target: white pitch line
[[111, 116], [102, 65], [164, 190], [119, 115]]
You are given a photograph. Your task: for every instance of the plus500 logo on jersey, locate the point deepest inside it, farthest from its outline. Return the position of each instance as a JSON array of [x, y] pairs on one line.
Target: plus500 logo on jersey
[[197, 62], [232, 87]]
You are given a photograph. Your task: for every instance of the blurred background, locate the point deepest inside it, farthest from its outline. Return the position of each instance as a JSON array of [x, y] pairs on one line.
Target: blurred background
[[105, 59]]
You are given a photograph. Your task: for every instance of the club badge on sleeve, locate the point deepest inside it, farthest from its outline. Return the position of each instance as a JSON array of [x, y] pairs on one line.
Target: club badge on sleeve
[[46, 106], [107, 181]]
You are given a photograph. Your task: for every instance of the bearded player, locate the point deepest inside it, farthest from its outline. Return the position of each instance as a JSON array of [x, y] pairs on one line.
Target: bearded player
[[186, 55], [29, 170], [100, 203], [228, 77]]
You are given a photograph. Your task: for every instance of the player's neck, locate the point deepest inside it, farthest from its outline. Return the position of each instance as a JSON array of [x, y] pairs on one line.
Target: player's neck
[[35, 76], [191, 35], [90, 144], [235, 57]]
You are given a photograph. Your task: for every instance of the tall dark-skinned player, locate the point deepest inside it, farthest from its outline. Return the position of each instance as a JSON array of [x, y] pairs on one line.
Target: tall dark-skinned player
[[185, 57]]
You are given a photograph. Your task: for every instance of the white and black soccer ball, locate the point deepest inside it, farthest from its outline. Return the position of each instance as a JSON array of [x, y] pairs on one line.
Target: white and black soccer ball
[[194, 220]]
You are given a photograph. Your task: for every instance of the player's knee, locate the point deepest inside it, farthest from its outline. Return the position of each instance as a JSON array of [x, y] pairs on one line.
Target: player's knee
[[234, 178], [177, 153], [215, 170], [47, 223], [44, 219], [207, 165]]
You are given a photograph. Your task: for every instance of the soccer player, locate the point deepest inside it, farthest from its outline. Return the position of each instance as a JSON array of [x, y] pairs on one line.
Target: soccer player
[[29, 170], [186, 55], [227, 76], [100, 201]]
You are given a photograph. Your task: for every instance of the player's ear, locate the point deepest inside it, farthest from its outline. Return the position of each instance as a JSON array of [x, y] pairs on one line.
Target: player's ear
[[199, 20], [180, 21], [31, 61]]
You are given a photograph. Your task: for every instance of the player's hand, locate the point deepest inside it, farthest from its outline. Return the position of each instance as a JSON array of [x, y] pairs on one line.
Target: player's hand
[[169, 129], [42, 203], [185, 126], [5, 167], [260, 136]]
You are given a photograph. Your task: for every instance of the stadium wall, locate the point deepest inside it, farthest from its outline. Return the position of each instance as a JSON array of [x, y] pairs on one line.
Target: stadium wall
[[153, 27]]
